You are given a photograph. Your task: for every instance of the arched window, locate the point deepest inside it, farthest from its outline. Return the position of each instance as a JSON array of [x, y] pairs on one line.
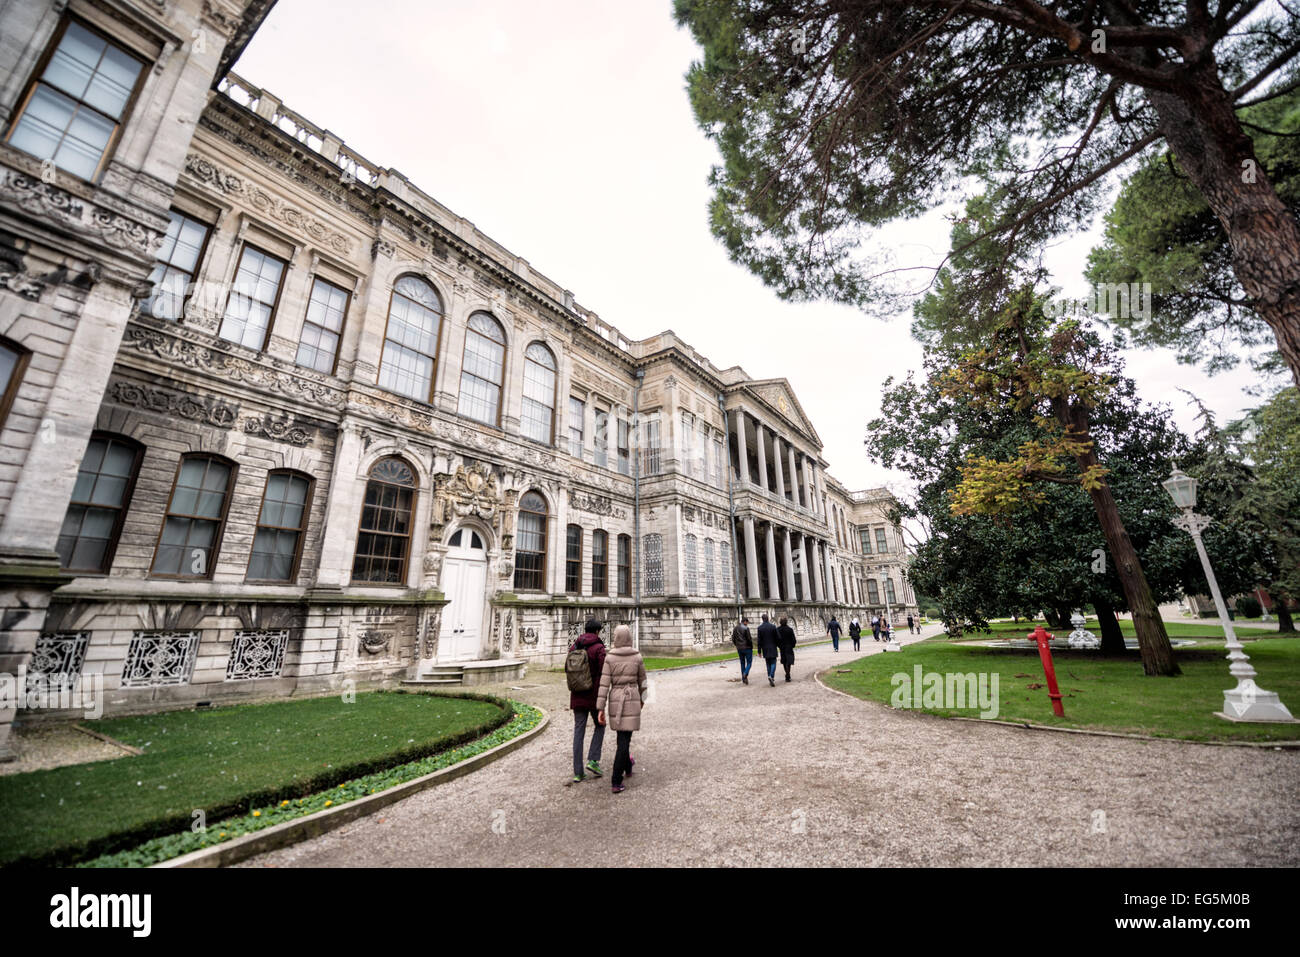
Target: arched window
[[692, 585], [624, 565], [710, 579], [384, 534], [530, 546], [537, 417], [653, 547], [281, 522], [889, 591], [196, 516], [93, 521], [466, 538], [573, 560], [599, 562], [482, 369], [411, 339]]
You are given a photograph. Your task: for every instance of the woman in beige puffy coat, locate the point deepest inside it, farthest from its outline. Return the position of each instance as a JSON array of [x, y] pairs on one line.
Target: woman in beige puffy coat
[[623, 686]]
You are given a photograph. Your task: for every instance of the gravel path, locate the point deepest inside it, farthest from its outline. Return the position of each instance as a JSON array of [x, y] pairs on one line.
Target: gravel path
[[739, 775]]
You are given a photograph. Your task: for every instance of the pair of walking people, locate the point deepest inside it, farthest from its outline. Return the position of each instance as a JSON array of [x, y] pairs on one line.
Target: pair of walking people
[[774, 642], [607, 687]]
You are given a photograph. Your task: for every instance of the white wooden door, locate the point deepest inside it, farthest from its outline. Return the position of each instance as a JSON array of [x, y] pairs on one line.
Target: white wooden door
[[465, 585]]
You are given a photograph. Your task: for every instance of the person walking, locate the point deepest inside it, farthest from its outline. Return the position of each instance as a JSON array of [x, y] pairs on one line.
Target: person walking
[[886, 630], [583, 686], [910, 622], [623, 687], [855, 632], [769, 647], [744, 642], [785, 641], [875, 626], [833, 629]]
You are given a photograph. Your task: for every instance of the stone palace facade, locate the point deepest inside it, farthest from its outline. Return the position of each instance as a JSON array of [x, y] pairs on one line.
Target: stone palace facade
[[273, 418]]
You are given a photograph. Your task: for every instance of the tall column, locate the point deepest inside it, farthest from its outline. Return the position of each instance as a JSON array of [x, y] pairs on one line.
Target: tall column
[[773, 573], [760, 435], [790, 594], [780, 470], [810, 499], [832, 590], [813, 561], [742, 448], [751, 561], [794, 476]]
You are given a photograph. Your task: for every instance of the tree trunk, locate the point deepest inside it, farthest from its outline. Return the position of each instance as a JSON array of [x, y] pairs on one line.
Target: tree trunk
[[1112, 639], [1202, 129], [1063, 613], [1153, 641], [1284, 622]]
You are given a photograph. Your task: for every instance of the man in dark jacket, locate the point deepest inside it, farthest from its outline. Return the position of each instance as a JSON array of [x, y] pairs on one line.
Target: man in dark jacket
[[833, 629], [785, 642], [768, 647], [583, 704], [744, 642]]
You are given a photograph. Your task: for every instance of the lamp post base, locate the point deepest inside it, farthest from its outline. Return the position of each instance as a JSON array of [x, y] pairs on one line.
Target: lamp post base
[[1248, 702]]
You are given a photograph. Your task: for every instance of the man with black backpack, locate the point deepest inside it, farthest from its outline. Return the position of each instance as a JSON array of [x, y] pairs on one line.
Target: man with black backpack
[[582, 669]]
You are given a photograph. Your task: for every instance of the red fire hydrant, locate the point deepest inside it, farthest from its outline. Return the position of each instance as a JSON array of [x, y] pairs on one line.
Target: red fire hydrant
[[1042, 637]]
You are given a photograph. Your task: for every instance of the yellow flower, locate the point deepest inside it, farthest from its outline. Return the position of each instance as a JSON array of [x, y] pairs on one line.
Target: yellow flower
[[257, 814], [328, 803], [284, 804]]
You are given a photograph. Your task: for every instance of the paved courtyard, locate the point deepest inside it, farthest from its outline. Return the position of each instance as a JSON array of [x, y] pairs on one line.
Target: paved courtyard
[[732, 775]]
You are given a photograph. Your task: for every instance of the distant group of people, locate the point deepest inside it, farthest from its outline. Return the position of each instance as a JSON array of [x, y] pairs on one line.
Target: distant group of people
[[608, 687], [774, 642]]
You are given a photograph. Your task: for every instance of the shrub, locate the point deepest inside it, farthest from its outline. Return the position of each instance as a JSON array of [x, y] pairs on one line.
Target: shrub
[[1248, 606]]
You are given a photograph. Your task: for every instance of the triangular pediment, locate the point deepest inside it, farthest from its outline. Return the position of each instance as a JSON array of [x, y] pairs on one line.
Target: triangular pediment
[[780, 398]]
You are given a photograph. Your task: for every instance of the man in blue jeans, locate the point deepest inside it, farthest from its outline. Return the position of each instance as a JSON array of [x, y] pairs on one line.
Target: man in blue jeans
[[769, 646], [744, 642], [833, 629]]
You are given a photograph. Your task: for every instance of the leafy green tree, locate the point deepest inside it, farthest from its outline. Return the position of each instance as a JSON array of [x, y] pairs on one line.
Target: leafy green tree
[[1162, 232], [835, 117]]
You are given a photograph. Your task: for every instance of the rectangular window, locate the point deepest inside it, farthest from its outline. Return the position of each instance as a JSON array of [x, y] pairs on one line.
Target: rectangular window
[[624, 448], [599, 563], [174, 271], [73, 111], [251, 305], [624, 565], [318, 346], [577, 423], [881, 545], [864, 535], [280, 526], [873, 592], [573, 560], [651, 459], [718, 461], [93, 521], [13, 363], [601, 439], [196, 514], [889, 591]]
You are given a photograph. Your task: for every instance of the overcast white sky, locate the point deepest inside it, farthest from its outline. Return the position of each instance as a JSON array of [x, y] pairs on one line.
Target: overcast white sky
[[563, 131]]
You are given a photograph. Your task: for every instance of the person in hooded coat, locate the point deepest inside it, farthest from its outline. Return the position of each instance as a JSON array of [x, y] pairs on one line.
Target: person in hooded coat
[[769, 646], [785, 641], [583, 704], [623, 686]]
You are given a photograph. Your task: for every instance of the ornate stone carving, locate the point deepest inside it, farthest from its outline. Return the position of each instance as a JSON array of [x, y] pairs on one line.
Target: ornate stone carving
[[33, 195], [14, 278], [429, 632], [596, 504], [123, 233], [210, 411], [224, 181], [381, 248], [374, 642], [470, 491], [283, 429], [433, 557], [171, 348]]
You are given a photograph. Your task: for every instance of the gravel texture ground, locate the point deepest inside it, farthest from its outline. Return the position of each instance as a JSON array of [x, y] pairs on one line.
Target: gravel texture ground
[[734, 775]]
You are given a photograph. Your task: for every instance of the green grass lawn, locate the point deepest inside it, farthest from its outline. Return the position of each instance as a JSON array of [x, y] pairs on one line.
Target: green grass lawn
[[1175, 629], [223, 761], [1109, 694]]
